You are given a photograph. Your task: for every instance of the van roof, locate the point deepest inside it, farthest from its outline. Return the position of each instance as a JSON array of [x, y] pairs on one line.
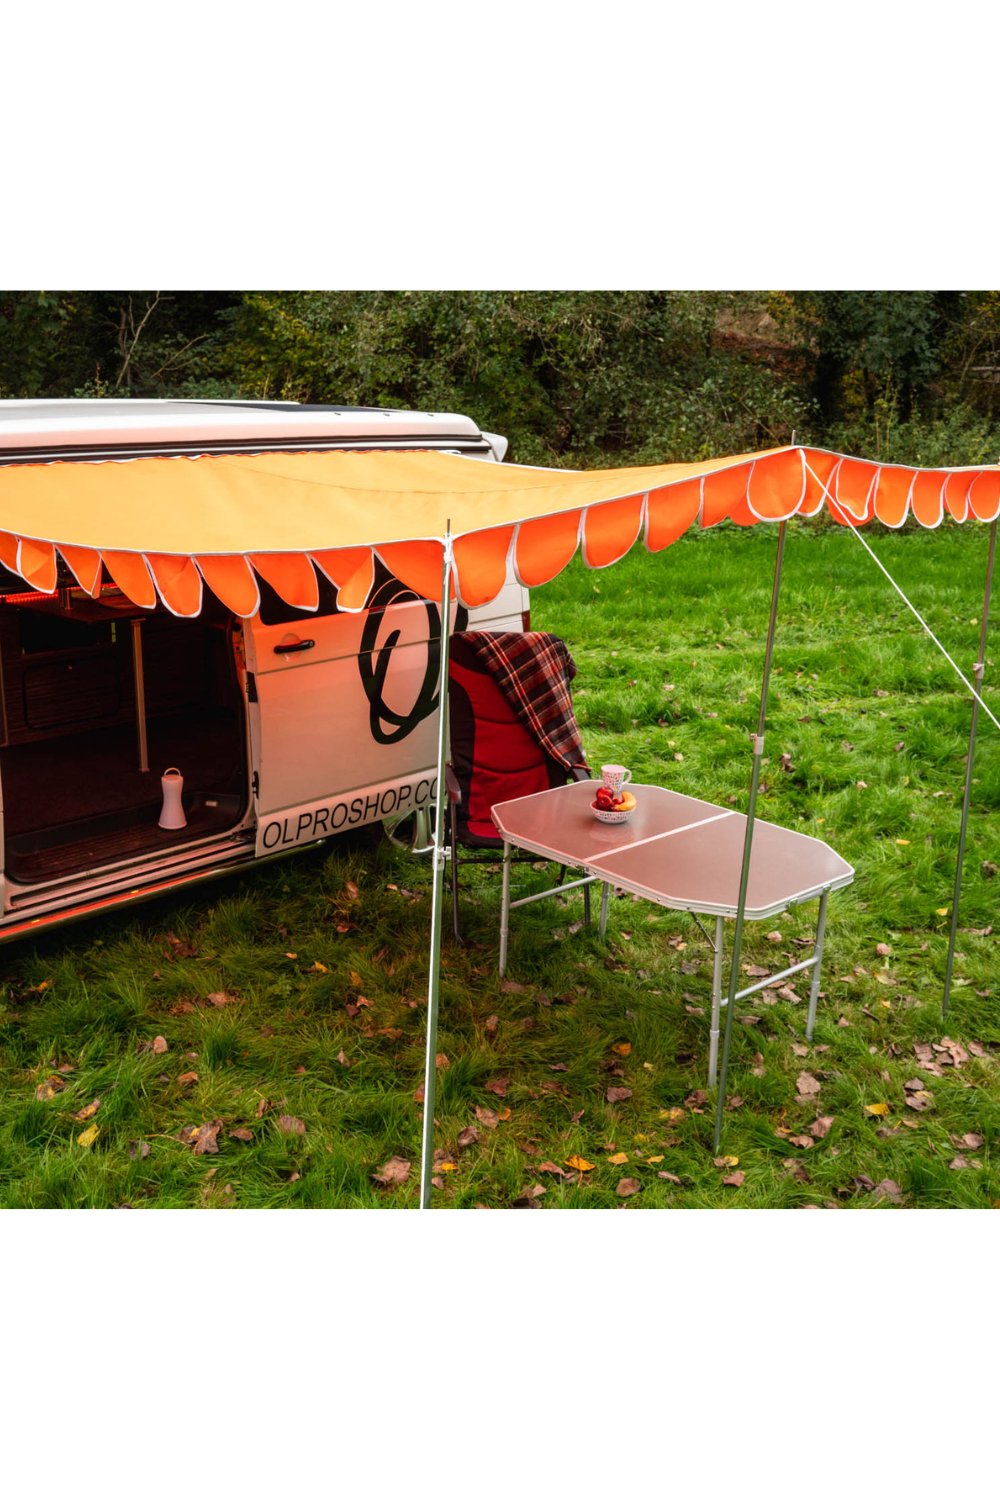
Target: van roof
[[76, 425]]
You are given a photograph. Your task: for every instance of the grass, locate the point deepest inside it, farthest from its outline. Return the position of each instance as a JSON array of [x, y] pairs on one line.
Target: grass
[[669, 655]]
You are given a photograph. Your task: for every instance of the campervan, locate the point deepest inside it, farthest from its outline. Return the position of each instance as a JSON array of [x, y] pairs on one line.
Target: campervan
[[140, 751]]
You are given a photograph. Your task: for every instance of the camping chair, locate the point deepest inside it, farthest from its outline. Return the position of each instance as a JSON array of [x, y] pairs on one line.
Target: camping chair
[[510, 707]]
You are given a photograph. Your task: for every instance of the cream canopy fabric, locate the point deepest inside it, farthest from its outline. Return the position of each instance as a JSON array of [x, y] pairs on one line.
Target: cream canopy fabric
[[163, 527]]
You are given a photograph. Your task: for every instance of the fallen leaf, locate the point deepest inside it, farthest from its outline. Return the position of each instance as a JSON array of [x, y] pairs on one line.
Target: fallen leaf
[[735, 1179], [487, 1117], [800, 1050], [579, 1164], [884, 950], [806, 1142], [87, 1137], [807, 1084], [492, 1025], [342, 1058], [240, 1133], [902, 841], [504, 1114], [889, 1189], [669, 1177], [919, 1099], [726, 1161], [617, 1095], [774, 937], [619, 1159], [756, 971], [263, 1106], [627, 1186], [511, 987], [185, 1078], [392, 1172], [550, 1166], [820, 1127], [467, 1137], [498, 1086], [530, 1195], [88, 1111], [159, 1045], [205, 1138], [622, 1048], [138, 1149], [291, 1125], [352, 890], [972, 1140], [222, 997], [52, 1086], [671, 1115], [879, 1110]]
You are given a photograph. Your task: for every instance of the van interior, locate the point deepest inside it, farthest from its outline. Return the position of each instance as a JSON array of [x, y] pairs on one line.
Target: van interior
[[80, 677]]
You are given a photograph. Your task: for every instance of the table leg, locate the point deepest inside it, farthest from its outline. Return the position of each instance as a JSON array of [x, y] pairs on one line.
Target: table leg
[[505, 908], [605, 898], [814, 987], [713, 1035]]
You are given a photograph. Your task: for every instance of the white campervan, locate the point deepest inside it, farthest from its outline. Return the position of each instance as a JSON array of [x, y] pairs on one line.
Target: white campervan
[[286, 728]]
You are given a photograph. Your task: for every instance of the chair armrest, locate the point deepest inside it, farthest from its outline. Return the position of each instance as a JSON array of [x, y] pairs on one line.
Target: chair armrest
[[452, 787]]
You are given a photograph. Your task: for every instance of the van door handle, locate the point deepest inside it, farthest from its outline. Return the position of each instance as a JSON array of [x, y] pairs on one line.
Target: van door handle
[[285, 648]]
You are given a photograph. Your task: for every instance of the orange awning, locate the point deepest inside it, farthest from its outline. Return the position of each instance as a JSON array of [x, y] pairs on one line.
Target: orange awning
[[165, 527]]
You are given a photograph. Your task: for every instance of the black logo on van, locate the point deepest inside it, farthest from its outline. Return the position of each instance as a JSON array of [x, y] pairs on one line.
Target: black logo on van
[[388, 726]]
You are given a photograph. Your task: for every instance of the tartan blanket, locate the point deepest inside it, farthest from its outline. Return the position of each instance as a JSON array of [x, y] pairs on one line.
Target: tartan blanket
[[533, 670]]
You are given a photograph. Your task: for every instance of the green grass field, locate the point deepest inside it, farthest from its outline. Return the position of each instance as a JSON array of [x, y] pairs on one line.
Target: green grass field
[[289, 1004]]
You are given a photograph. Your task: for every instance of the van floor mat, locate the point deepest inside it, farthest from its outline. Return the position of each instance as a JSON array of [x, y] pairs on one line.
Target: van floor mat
[[94, 773], [93, 842]]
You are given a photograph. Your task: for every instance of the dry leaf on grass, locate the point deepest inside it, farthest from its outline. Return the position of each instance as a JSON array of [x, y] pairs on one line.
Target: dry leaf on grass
[[530, 1196], [138, 1150], [579, 1164], [159, 1045], [291, 1125], [222, 997], [888, 1189], [204, 1138], [619, 1159], [492, 1025], [622, 1049], [88, 1111], [467, 1137], [806, 1085], [550, 1166], [240, 1133], [498, 1086], [878, 1111], [487, 1117], [627, 1186], [735, 1179], [52, 1086], [87, 1137], [820, 1127], [184, 1079], [617, 1095], [669, 1177], [392, 1172]]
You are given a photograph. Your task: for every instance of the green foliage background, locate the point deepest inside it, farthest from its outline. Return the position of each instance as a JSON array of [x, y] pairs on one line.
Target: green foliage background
[[570, 377]]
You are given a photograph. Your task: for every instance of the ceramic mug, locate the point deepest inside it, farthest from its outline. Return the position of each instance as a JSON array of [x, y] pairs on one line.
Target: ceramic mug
[[615, 777]]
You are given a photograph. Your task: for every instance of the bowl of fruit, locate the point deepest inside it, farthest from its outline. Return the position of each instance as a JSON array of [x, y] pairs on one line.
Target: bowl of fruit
[[613, 807]]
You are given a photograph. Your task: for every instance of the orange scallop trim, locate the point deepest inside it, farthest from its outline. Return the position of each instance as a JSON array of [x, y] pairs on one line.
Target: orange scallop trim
[[130, 573], [820, 480], [544, 546], [85, 563], [178, 582], [775, 488], [670, 512], [8, 551], [481, 564], [926, 497], [36, 563], [984, 495], [351, 570], [291, 575], [417, 564], [891, 500], [610, 530], [853, 486], [956, 494], [232, 581], [723, 491]]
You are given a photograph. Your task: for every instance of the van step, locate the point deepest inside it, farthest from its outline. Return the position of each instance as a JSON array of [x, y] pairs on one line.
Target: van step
[[92, 842]]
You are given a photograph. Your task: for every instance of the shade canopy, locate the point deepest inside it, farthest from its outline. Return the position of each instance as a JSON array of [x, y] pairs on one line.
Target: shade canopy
[[165, 527]]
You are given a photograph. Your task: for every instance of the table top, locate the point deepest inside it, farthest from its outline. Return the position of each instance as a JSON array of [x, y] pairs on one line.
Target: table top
[[675, 850]]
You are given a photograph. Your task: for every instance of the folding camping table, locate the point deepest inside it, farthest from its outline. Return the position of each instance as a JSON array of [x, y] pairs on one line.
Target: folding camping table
[[679, 852]]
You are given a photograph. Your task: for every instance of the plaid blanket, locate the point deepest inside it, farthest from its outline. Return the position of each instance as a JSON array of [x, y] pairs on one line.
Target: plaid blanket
[[533, 671]]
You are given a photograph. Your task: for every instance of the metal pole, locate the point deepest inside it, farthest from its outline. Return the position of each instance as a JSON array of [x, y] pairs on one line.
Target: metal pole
[[758, 752], [437, 888], [979, 669], [140, 694]]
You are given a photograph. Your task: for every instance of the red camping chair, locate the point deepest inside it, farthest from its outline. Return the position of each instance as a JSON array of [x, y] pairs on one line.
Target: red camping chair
[[497, 751]]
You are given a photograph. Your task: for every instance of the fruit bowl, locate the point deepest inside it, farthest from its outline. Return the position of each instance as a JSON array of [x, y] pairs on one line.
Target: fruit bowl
[[614, 814]]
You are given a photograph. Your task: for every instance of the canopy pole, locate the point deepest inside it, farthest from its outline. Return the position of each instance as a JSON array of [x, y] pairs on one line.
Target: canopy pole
[[437, 888], [978, 670], [139, 682], [758, 752]]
